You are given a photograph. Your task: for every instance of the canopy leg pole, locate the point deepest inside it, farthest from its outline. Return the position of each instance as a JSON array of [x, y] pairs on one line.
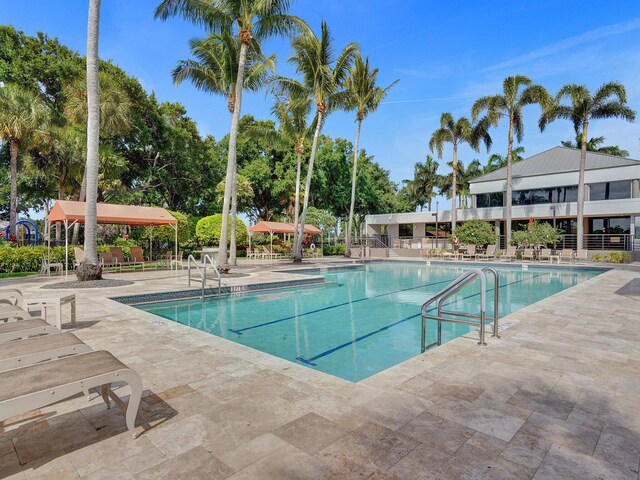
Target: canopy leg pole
[[151, 243], [175, 247], [47, 227], [66, 248]]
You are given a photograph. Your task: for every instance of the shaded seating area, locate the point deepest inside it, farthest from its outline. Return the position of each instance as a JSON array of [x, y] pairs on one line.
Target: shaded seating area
[[273, 228], [70, 213]]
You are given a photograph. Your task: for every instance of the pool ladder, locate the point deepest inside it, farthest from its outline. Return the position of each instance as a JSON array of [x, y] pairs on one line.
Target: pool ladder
[[475, 319], [203, 272]]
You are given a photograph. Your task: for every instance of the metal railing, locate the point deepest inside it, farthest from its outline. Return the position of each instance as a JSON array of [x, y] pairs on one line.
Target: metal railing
[[465, 318], [203, 272]]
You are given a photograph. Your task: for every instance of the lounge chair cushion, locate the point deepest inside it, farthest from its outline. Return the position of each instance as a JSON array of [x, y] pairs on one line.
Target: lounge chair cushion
[[41, 343], [22, 325], [43, 376]]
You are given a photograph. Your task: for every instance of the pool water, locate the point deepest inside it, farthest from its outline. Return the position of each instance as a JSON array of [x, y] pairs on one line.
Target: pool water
[[363, 320]]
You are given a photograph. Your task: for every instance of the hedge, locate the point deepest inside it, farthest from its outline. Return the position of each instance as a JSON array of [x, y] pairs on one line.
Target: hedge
[[27, 259]]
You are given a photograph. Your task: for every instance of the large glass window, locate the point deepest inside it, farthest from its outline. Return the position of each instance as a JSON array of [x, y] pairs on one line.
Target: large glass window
[[612, 225], [545, 195], [610, 190], [406, 230], [486, 200]]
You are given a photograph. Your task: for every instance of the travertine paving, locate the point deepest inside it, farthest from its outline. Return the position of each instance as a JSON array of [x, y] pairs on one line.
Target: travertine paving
[[558, 396]]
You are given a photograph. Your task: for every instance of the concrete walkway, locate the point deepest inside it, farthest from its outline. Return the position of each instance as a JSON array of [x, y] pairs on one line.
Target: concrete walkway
[[558, 396]]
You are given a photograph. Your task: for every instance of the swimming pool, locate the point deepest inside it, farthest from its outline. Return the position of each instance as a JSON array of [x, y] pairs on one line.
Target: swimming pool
[[362, 320]]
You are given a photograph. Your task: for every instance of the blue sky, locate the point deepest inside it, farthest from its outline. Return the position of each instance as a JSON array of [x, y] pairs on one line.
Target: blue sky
[[446, 54]]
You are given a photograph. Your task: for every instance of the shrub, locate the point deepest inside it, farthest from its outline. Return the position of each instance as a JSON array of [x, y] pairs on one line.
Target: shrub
[[208, 230], [165, 233], [338, 249], [27, 259], [476, 232], [612, 257], [534, 234]]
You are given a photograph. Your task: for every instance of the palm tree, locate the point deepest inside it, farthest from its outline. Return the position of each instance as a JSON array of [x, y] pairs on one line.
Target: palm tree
[[215, 70], [24, 117], [517, 92], [497, 161], [323, 76], [89, 268], [457, 132], [364, 97], [594, 145], [254, 21], [609, 101], [425, 179]]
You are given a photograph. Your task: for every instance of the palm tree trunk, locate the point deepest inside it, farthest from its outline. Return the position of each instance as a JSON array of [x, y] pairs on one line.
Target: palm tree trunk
[[347, 252], [509, 193], [14, 146], [90, 269], [583, 162], [296, 210], [297, 252], [81, 198], [454, 174], [231, 157], [234, 218]]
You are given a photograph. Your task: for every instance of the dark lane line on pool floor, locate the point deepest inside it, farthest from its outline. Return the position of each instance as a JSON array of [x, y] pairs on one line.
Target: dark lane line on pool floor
[[309, 361], [292, 317]]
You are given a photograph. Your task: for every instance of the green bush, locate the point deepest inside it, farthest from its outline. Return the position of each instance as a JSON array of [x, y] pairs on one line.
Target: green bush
[[338, 249], [476, 232], [208, 230], [535, 234], [27, 259], [165, 233], [612, 257]]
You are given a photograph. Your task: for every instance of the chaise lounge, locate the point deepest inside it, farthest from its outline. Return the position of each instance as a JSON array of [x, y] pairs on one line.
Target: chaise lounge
[[21, 353], [24, 329]]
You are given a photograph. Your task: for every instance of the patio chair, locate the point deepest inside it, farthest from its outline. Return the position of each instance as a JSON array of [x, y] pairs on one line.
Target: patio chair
[[566, 254], [177, 261], [24, 329], [270, 253], [137, 255], [46, 266], [36, 386], [510, 254], [545, 254], [582, 256], [469, 253], [118, 254], [406, 243], [21, 353], [107, 260], [489, 253], [528, 254], [78, 254], [448, 254], [10, 313], [397, 243]]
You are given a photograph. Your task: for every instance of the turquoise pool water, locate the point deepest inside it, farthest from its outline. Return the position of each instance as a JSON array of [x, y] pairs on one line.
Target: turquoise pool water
[[362, 321]]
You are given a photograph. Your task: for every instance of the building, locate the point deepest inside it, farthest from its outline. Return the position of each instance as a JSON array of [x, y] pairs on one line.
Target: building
[[545, 188]]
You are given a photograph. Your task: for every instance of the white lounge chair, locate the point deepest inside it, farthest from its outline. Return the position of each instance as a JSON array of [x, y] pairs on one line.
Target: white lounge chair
[[510, 254], [25, 329], [490, 253], [545, 254], [21, 353], [9, 313], [528, 254], [36, 386], [566, 254], [469, 253]]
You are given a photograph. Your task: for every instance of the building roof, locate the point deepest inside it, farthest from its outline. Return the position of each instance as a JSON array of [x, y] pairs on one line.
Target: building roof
[[111, 214], [556, 160]]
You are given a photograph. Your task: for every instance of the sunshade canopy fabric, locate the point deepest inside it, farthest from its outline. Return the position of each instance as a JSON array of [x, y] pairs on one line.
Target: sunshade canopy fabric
[[111, 214], [280, 227]]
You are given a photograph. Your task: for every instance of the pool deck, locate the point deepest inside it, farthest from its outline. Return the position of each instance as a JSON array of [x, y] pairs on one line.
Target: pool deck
[[558, 396]]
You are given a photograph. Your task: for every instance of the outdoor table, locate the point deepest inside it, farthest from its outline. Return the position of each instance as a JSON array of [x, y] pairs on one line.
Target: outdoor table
[[56, 302], [554, 257]]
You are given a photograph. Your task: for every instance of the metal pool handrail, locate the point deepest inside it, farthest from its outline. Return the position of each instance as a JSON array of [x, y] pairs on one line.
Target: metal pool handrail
[[458, 284], [203, 272]]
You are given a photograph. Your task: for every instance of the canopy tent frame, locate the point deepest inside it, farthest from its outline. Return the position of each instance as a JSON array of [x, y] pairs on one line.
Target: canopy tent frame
[[280, 227], [107, 214]]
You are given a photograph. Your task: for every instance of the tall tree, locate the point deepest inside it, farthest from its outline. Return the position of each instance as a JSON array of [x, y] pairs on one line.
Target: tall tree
[[425, 180], [215, 70], [595, 145], [89, 269], [23, 118], [609, 101], [323, 75], [517, 92], [458, 132], [254, 21], [497, 161], [363, 97]]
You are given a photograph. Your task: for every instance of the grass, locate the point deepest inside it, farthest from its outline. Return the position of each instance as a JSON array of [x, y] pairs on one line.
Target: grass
[[17, 274]]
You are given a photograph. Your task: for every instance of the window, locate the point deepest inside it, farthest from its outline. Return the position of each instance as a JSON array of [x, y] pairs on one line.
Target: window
[[612, 225], [486, 200], [406, 229], [545, 195], [610, 190]]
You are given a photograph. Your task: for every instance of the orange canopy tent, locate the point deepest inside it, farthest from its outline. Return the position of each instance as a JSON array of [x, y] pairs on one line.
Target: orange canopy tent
[[281, 227], [69, 213]]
